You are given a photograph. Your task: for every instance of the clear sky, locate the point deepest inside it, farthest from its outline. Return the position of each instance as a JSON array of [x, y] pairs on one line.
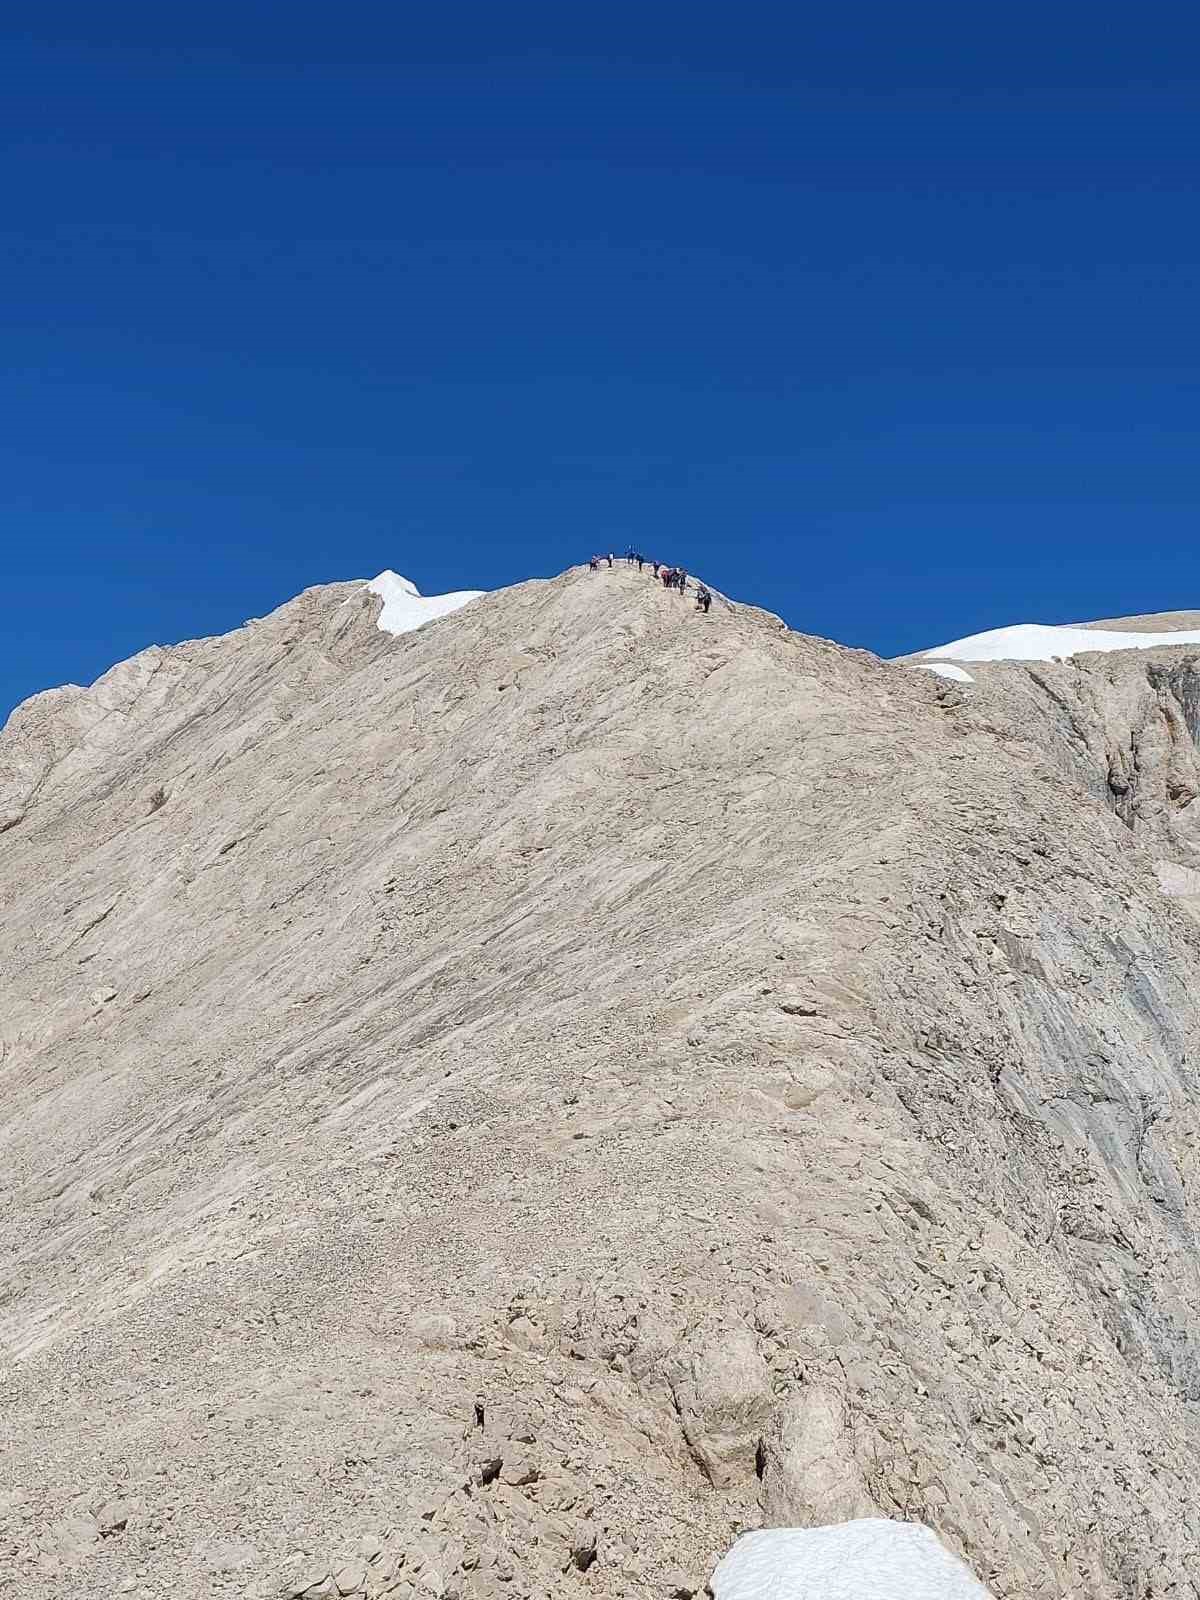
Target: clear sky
[[884, 316]]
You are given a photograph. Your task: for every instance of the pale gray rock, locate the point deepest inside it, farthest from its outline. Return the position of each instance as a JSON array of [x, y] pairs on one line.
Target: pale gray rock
[[308, 1577], [112, 1517], [71, 1537], [809, 1470], [227, 1555], [723, 1395], [435, 1330]]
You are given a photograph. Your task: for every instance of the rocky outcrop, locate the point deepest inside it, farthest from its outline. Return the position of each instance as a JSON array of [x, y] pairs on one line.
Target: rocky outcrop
[[507, 1108], [1125, 726]]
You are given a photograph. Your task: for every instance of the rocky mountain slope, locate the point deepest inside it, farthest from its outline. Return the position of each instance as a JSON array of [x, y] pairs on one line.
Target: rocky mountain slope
[[499, 1111]]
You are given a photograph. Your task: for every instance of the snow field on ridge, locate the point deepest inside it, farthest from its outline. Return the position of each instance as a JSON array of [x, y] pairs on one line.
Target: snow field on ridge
[[405, 608], [1036, 641], [943, 670]]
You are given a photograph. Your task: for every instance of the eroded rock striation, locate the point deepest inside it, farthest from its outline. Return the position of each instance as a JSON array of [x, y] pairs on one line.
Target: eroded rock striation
[[503, 1110]]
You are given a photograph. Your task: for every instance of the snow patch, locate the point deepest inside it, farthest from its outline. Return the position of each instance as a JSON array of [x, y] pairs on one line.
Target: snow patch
[[872, 1559], [1035, 641], [405, 608], [944, 669]]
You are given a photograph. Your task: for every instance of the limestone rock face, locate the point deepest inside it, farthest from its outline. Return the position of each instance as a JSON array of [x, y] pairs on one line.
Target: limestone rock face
[[505, 1109]]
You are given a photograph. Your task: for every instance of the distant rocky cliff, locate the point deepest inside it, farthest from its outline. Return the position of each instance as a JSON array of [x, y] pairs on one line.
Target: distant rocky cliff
[[1126, 727]]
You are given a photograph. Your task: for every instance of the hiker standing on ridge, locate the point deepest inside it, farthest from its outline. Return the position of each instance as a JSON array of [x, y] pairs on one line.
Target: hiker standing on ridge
[[594, 563], [703, 599], [681, 580], [656, 566], [641, 561], [610, 558]]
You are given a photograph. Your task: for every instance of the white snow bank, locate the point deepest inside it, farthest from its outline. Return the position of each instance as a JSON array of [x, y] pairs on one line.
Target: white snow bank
[[1035, 641], [405, 608], [944, 669], [873, 1559]]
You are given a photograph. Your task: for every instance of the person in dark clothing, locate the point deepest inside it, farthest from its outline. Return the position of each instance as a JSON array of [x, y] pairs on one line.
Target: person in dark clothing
[[703, 599], [681, 580], [641, 561], [594, 563], [610, 558], [656, 566]]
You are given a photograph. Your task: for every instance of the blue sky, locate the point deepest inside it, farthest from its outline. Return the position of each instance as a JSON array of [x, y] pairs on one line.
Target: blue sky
[[885, 317]]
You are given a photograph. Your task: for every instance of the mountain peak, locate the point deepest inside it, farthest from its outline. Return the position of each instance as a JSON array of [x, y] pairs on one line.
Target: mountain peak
[[529, 1096]]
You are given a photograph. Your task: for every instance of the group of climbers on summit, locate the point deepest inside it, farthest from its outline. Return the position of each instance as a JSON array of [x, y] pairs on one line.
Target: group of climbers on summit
[[670, 577]]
